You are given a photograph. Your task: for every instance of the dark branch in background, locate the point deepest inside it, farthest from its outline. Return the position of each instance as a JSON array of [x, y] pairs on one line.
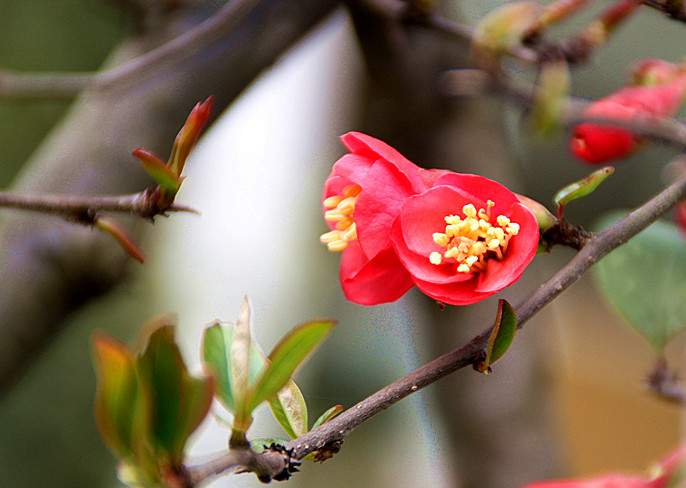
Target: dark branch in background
[[49, 268], [675, 9], [474, 82]]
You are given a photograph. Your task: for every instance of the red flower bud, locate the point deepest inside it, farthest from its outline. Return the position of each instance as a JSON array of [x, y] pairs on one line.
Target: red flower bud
[[599, 143]]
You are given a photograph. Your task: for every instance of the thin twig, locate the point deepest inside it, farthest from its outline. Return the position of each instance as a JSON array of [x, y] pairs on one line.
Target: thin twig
[[141, 204], [192, 43], [469, 82]]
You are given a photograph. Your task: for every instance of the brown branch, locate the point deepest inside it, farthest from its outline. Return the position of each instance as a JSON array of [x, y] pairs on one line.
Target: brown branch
[[597, 246], [49, 268], [266, 465], [142, 204], [165, 57], [471, 82]]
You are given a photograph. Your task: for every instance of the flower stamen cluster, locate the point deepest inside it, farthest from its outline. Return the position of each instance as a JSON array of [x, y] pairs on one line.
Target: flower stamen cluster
[[340, 210], [473, 240]]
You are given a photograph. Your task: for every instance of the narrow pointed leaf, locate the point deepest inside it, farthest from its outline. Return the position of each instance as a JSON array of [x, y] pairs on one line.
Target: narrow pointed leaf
[[240, 360], [645, 280], [293, 349], [216, 357], [290, 410], [188, 136], [179, 402], [117, 393], [583, 187], [160, 172], [328, 415], [501, 336], [113, 228]]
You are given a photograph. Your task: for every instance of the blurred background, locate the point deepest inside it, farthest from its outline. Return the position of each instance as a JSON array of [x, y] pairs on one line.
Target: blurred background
[[568, 398]]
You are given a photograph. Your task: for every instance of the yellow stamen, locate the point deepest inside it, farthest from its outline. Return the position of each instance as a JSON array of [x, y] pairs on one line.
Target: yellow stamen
[[340, 210], [474, 239]]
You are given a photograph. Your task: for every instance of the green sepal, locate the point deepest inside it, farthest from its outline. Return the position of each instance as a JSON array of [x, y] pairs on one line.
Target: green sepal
[[501, 337]]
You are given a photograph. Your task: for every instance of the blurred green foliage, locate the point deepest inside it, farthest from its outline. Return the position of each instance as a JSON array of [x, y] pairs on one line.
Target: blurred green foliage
[[46, 421], [44, 35]]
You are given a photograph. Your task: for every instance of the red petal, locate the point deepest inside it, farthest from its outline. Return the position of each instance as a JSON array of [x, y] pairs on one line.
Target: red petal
[[418, 264], [370, 282], [520, 251], [375, 149], [383, 191]]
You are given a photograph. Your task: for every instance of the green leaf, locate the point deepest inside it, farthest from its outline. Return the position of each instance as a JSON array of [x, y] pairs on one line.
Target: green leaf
[[504, 27], [583, 187], [216, 356], [645, 280], [240, 360], [178, 401], [551, 99], [328, 415], [501, 336], [160, 172], [291, 352], [117, 395], [290, 410]]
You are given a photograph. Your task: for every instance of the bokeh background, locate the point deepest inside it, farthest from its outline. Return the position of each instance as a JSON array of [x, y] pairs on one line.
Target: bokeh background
[[568, 398]]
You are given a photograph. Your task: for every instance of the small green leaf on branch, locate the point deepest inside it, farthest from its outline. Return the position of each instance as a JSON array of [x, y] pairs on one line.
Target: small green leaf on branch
[[330, 414], [289, 354], [580, 188], [501, 336], [290, 410]]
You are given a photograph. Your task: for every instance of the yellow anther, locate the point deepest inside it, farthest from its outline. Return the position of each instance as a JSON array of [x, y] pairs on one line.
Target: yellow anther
[[337, 246], [441, 239], [342, 207], [473, 239], [332, 202], [333, 215], [469, 210], [502, 220]]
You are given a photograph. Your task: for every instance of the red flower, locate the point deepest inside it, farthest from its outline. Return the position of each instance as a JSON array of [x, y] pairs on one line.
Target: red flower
[[385, 214], [465, 238], [598, 143], [668, 472], [681, 216], [372, 180]]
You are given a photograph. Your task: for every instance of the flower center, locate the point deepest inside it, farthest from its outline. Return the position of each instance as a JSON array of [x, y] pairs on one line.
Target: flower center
[[340, 210], [473, 240]]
